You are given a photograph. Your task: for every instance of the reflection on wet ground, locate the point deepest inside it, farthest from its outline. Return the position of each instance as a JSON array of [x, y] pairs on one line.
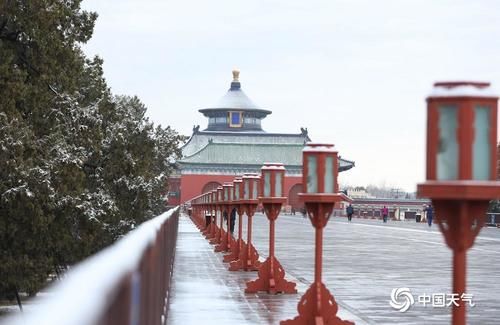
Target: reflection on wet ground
[[363, 261]]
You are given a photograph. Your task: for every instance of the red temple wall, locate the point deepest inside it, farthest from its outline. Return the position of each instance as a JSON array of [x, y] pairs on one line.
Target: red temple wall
[[192, 184]]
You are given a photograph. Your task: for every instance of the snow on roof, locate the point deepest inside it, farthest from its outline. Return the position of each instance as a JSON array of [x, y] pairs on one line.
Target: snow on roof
[[251, 175], [237, 154], [462, 89], [314, 147], [201, 139], [273, 166], [249, 154], [235, 99]]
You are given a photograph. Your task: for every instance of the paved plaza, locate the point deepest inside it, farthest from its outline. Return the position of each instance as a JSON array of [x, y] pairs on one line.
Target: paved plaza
[[363, 262]]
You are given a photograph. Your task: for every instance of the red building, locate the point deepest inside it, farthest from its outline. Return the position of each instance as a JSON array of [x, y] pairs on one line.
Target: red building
[[235, 143]]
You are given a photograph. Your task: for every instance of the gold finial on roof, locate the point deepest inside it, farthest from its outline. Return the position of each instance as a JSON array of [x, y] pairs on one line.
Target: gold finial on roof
[[236, 75]]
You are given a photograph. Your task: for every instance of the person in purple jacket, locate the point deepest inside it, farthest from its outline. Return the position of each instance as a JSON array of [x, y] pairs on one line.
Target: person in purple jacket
[[385, 213]]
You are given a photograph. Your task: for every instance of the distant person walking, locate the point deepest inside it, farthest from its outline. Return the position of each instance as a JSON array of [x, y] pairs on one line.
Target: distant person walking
[[350, 211], [385, 213], [232, 220], [430, 214]]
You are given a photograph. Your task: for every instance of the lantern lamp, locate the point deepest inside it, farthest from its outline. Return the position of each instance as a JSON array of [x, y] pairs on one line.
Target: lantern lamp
[[461, 132], [214, 196], [228, 192], [320, 171], [271, 276], [272, 181], [248, 258], [237, 189], [220, 194], [250, 186], [212, 199], [320, 186], [461, 168]]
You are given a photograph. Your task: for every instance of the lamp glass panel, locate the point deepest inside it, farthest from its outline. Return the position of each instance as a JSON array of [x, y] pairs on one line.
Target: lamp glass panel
[[447, 156], [329, 175], [267, 183], [279, 180], [247, 189], [237, 192], [481, 146], [312, 175], [226, 196], [255, 189]]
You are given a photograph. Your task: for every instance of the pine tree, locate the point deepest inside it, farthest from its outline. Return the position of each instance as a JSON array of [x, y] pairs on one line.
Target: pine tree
[[39, 58], [79, 167]]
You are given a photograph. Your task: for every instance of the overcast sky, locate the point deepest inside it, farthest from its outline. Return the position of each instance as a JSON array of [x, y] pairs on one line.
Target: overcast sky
[[355, 73]]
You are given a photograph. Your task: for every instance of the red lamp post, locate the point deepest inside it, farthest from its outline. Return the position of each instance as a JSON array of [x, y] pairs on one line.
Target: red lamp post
[[248, 259], [236, 246], [227, 197], [319, 180], [213, 213], [195, 204], [461, 168], [208, 214], [218, 207], [271, 276], [225, 200], [206, 207]]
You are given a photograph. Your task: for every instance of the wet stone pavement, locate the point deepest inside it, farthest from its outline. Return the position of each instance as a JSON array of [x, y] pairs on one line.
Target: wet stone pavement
[[363, 261]]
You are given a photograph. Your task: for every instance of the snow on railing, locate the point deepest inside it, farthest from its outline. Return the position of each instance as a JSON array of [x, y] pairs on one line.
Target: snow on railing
[[126, 283]]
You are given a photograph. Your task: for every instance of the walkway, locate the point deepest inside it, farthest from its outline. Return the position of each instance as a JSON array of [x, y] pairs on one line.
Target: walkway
[[364, 261]]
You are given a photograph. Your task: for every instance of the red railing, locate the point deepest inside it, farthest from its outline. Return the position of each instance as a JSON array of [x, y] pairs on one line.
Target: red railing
[[126, 283]]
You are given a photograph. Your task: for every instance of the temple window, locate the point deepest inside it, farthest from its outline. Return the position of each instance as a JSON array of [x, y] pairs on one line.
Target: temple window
[[235, 120], [221, 120]]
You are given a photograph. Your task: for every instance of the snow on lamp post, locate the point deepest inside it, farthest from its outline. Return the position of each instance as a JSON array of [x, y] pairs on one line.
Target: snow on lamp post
[[319, 182], [271, 276], [237, 193], [461, 169], [248, 259]]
